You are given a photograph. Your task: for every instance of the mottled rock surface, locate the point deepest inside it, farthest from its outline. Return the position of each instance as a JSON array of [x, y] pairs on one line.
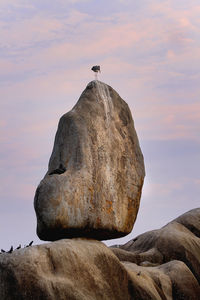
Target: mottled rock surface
[[96, 171], [66, 269], [174, 249], [163, 264]]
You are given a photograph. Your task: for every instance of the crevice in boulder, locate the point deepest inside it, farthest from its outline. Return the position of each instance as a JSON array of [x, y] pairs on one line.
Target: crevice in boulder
[[59, 170]]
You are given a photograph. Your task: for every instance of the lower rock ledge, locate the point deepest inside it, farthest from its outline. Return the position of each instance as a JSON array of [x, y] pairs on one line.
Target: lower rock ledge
[[87, 269]]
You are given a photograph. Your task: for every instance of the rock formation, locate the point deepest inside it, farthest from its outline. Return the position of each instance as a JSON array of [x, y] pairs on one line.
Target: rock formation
[[158, 265], [96, 171], [174, 249], [92, 189]]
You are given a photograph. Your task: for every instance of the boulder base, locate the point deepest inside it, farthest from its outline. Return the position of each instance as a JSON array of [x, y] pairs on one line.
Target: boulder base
[[163, 264], [96, 171]]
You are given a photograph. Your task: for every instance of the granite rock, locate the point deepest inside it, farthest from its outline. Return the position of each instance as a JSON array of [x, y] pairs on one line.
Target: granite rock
[[175, 247], [164, 265], [96, 171]]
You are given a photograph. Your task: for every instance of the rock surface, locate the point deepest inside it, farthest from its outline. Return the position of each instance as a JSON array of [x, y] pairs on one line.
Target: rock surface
[[173, 249], [96, 171], [162, 264]]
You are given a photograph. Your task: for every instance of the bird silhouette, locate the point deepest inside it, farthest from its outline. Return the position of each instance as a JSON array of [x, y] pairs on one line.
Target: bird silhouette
[[96, 69], [11, 250], [30, 244], [18, 247], [3, 251]]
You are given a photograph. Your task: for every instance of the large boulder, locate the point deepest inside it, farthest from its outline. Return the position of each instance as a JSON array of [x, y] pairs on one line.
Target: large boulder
[[67, 269], [96, 171], [164, 266], [178, 240]]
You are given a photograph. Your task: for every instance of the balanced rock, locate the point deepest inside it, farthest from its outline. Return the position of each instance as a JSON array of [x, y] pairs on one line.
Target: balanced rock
[[96, 171]]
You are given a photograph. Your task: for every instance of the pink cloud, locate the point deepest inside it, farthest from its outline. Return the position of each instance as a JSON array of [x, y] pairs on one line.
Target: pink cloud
[[170, 121], [107, 42], [164, 189]]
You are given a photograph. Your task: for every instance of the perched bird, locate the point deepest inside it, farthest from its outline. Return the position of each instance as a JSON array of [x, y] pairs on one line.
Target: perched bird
[[30, 244], [60, 170], [3, 251], [18, 247], [96, 69], [11, 250]]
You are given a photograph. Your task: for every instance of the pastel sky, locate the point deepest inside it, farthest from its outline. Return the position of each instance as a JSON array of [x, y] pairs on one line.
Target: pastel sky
[[149, 52]]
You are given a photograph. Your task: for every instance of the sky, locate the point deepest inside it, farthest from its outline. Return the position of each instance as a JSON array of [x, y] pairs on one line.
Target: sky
[[149, 52]]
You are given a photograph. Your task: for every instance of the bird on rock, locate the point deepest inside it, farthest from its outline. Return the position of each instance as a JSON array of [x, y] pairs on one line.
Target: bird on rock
[[96, 69], [11, 250], [30, 244]]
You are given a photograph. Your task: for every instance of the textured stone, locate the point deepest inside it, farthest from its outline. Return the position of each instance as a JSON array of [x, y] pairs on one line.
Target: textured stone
[[178, 240], [157, 267], [96, 171], [65, 269]]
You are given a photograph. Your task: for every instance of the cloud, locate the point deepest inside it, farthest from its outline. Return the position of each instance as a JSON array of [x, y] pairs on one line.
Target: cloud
[[164, 59], [173, 121]]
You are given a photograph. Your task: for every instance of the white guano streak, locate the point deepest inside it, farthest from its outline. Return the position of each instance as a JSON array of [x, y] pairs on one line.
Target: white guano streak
[[104, 95]]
